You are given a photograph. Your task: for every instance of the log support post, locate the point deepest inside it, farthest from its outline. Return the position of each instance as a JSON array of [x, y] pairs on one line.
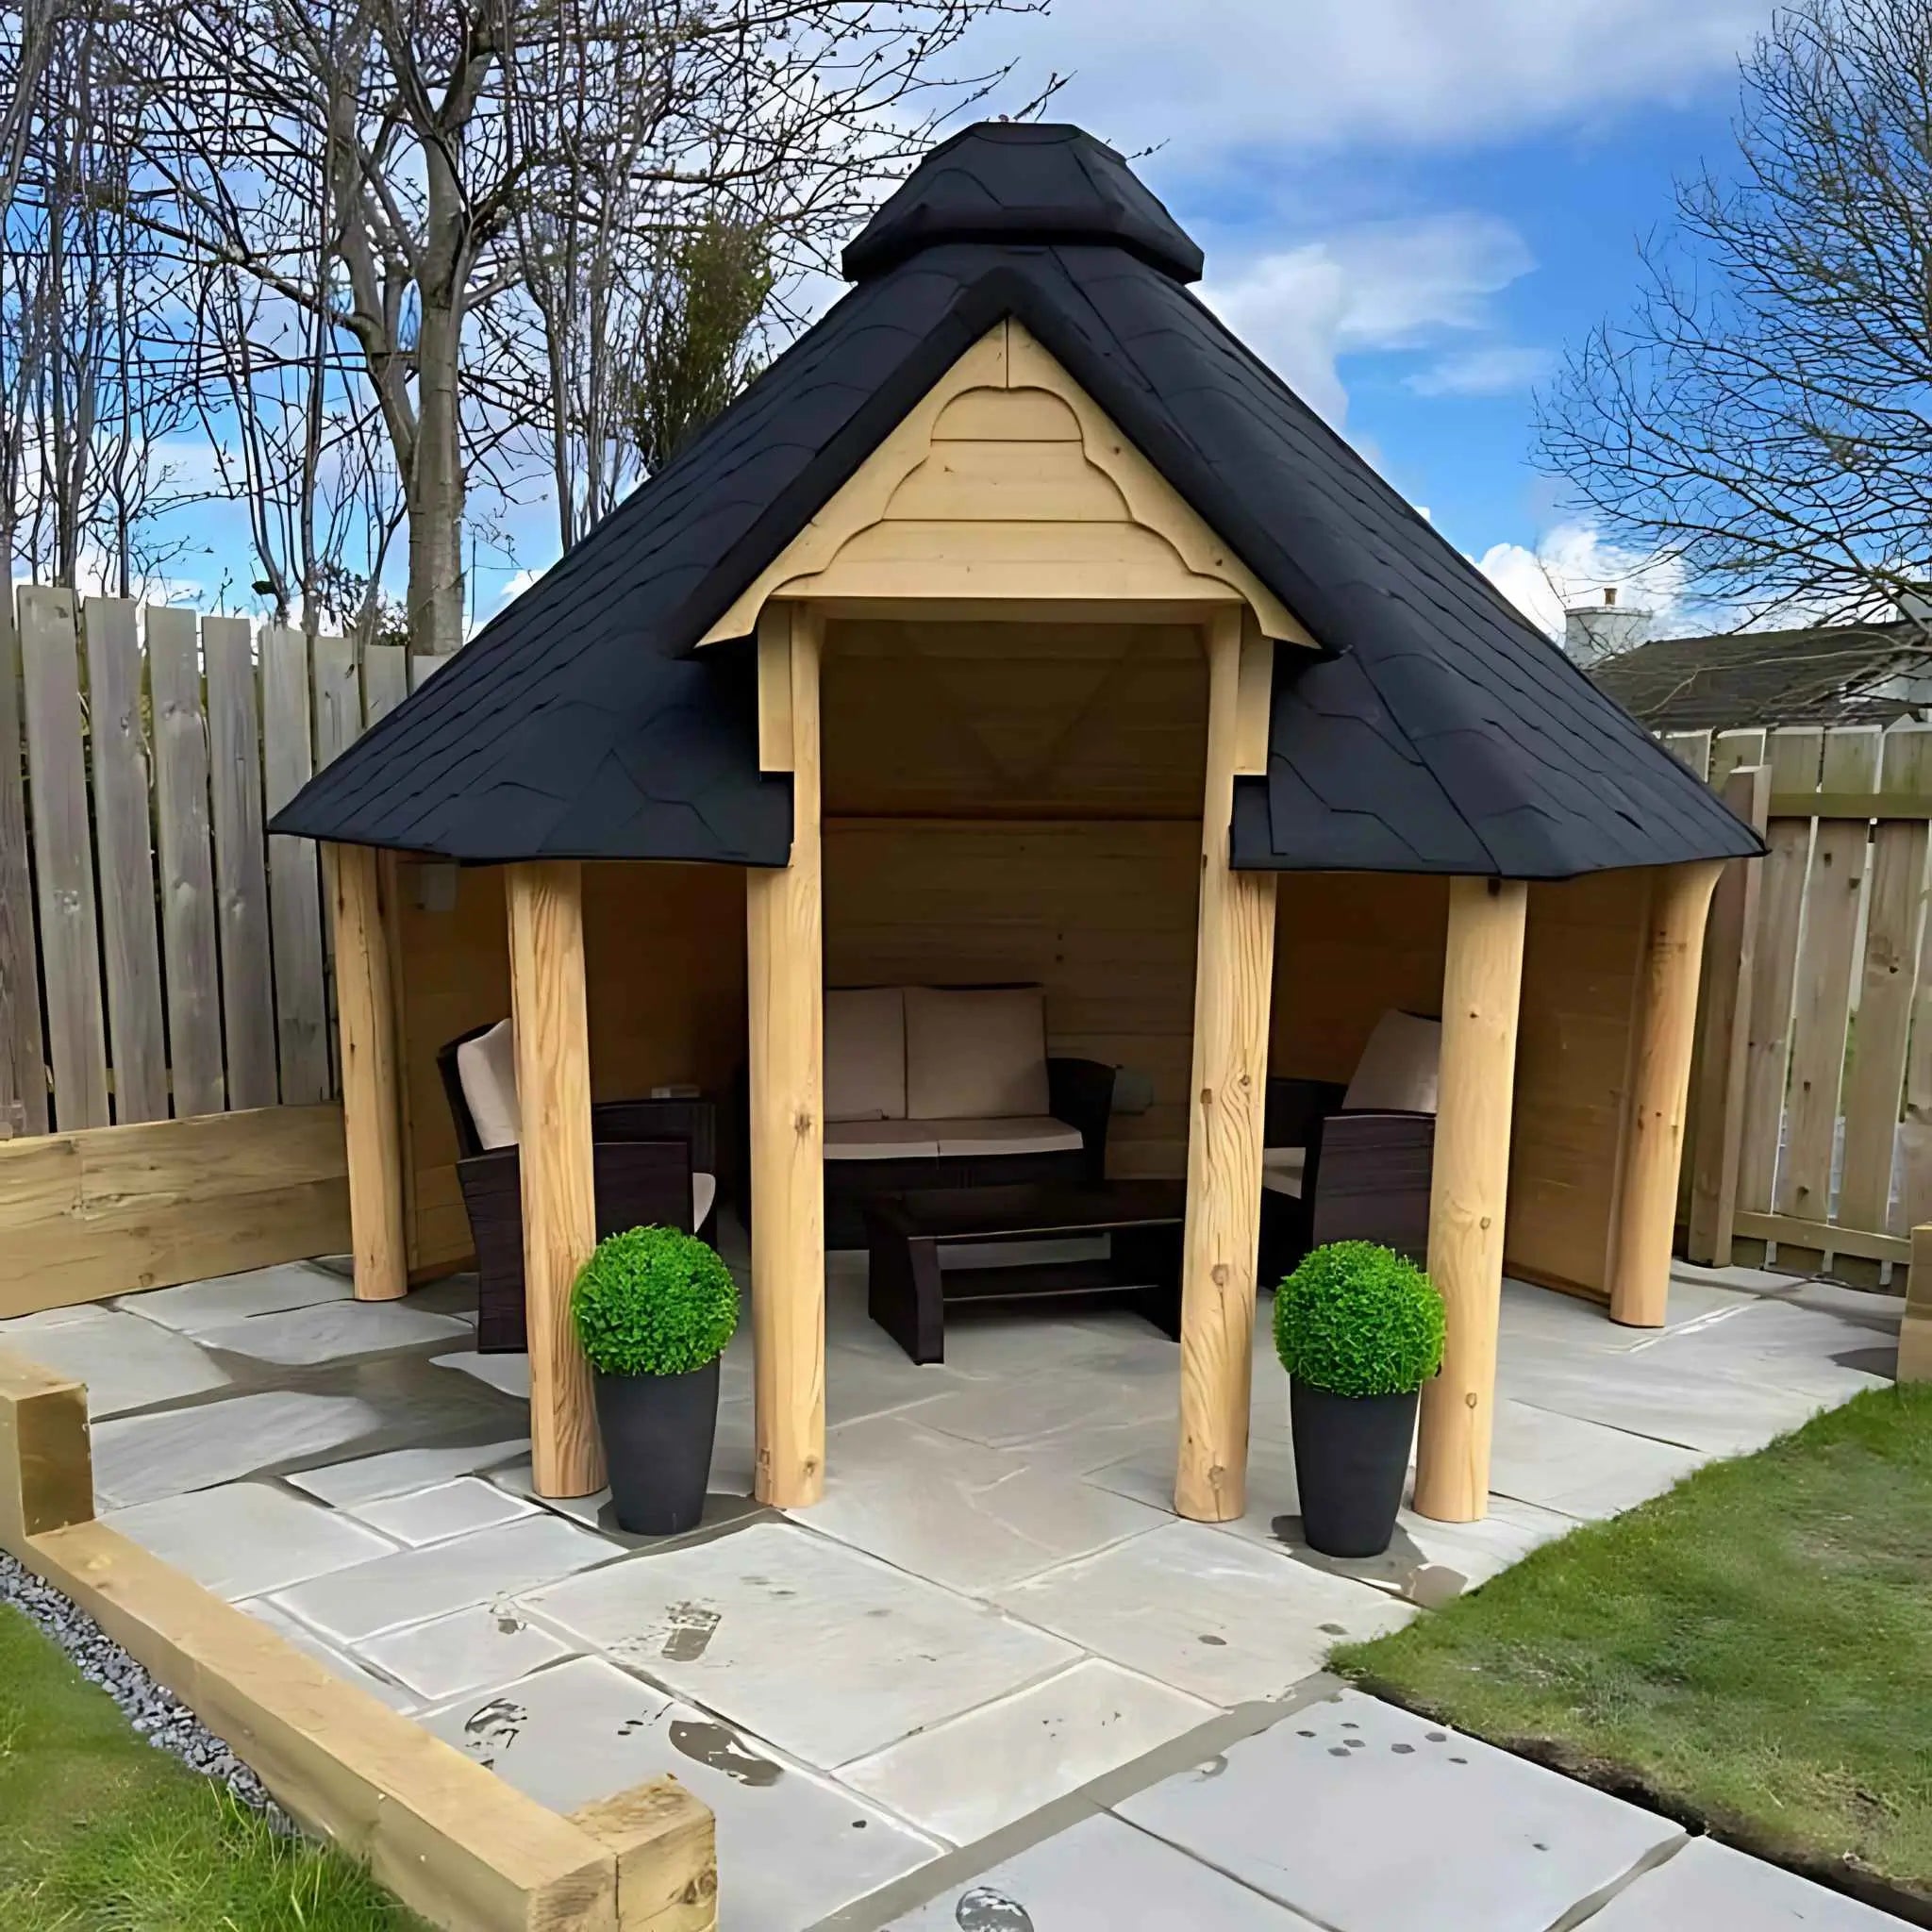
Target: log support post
[[1663, 1031], [1468, 1190], [785, 957], [547, 1000], [1234, 972], [372, 1075]]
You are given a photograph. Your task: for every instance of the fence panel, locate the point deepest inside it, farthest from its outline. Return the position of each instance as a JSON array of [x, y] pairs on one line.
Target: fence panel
[[248, 1009], [64, 858], [188, 892], [122, 820], [294, 889], [23, 1060]]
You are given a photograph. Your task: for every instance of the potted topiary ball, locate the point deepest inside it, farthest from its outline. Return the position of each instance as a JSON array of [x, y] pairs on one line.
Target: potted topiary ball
[[1360, 1330], [653, 1310]]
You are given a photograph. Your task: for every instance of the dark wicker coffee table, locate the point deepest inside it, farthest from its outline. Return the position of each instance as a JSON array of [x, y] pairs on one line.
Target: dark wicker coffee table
[[907, 1295]]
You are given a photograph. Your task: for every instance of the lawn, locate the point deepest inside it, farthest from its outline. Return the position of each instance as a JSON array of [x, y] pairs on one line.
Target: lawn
[[1751, 1651], [99, 1832]]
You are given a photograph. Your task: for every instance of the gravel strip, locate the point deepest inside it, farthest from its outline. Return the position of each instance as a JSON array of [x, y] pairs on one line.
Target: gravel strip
[[156, 1713]]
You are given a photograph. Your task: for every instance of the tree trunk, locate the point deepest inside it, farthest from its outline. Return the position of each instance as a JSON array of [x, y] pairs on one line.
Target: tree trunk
[[436, 491]]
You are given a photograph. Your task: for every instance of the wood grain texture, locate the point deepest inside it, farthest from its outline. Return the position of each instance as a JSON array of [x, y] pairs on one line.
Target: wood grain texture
[[547, 955], [1664, 1029], [461, 1847], [46, 1461], [372, 1098], [1820, 1010], [1482, 985], [123, 816], [385, 680], [294, 893], [1724, 1030], [1233, 978], [1915, 1329], [1794, 756], [248, 1010], [1895, 899], [22, 1046], [110, 1211], [64, 858], [187, 866], [666, 1846], [785, 992]]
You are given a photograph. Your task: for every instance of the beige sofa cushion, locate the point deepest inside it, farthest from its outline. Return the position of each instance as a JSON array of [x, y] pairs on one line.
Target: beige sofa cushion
[[1398, 1069], [1018, 1133], [1282, 1168], [865, 1054], [881, 1140], [486, 1071], [978, 1055]]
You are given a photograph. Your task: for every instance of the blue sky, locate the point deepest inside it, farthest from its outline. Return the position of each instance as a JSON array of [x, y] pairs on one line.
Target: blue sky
[[1410, 208]]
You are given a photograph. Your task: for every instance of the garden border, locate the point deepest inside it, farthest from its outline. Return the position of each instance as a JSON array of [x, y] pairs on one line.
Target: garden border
[[454, 1842]]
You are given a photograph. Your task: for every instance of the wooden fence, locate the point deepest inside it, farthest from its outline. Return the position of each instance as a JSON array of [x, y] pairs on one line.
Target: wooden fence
[[1812, 1131], [159, 955]]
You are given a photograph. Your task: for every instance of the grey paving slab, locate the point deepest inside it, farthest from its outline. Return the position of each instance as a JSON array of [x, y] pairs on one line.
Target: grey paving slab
[[413, 1586], [333, 1332], [1708, 1887], [229, 1297], [1369, 1820], [968, 1516], [125, 1362], [726, 1503], [139, 1458], [1785, 1346], [1084, 1421], [1205, 1612], [1579, 1468], [42, 1318], [826, 1652], [247, 1538], [338, 1662], [794, 1847], [397, 1471], [508, 1372], [1101, 1875], [434, 1515], [963, 1780], [489, 1643]]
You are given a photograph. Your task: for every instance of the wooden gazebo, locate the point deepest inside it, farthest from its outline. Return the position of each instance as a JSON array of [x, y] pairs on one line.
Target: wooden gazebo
[[1019, 581]]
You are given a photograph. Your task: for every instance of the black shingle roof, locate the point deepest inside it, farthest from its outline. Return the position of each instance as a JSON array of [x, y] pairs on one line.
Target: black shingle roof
[[1437, 730]]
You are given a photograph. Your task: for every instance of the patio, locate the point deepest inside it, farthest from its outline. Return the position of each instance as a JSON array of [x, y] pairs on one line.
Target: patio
[[993, 1606]]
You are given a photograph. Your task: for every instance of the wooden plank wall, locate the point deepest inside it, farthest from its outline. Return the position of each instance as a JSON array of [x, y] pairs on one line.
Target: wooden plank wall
[[139, 754], [1830, 990]]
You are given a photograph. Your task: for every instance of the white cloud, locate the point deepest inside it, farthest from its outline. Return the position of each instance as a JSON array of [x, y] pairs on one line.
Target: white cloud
[[1379, 285], [1573, 565], [1308, 74], [1491, 369]]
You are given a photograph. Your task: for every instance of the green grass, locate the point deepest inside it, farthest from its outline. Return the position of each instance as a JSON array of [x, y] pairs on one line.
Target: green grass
[[99, 1832], [1753, 1650]]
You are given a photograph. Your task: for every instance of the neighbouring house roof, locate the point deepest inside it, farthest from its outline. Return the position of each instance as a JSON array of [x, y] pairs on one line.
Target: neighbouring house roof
[[1828, 675], [1435, 730]]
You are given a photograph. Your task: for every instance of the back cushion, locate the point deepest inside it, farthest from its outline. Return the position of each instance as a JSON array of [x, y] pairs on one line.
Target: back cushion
[[1399, 1066], [865, 1055], [974, 1055], [487, 1068]]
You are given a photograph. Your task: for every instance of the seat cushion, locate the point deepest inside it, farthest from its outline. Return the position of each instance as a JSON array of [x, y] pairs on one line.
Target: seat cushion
[[486, 1070], [1017, 1133], [1398, 1069], [975, 1054], [1282, 1168], [703, 1190], [881, 1140], [865, 1054]]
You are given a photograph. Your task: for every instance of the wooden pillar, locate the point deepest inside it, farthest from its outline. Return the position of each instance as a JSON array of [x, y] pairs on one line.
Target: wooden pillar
[[1234, 972], [784, 950], [1664, 1029], [1915, 1329], [546, 978], [1468, 1189], [372, 1074]]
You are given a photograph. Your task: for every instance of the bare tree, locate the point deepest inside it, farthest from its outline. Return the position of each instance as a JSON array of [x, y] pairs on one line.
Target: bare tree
[[1765, 415], [498, 178]]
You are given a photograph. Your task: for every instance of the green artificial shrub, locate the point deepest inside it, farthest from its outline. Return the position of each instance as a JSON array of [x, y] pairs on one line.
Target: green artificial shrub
[[654, 1302], [1357, 1319]]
